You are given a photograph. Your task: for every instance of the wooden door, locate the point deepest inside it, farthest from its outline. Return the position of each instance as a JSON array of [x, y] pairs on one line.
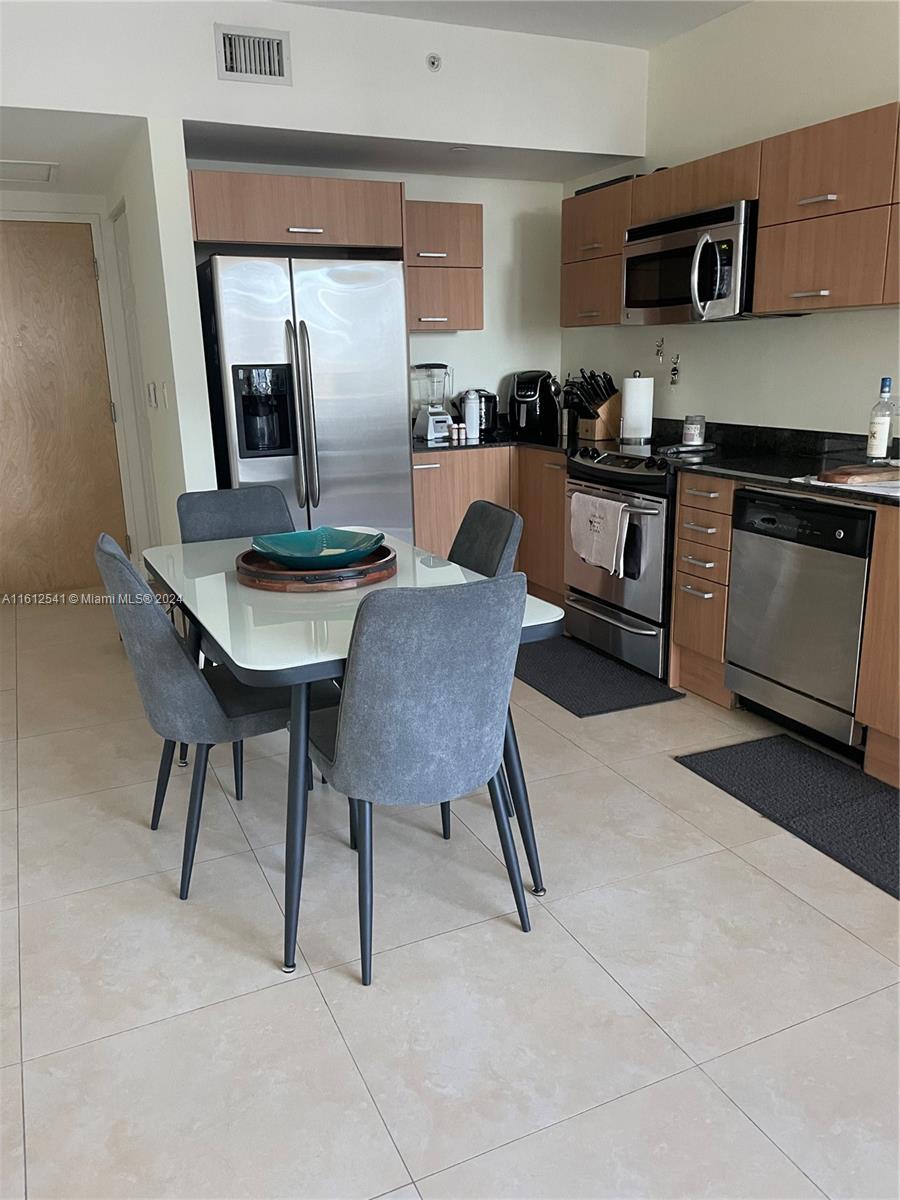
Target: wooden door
[[59, 470], [704, 183], [444, 300], [445, 482], [249, 207], [444, 235], [594, 224], [591, 292], [892, 270], [831, 262], [834, 167], [541, 500]]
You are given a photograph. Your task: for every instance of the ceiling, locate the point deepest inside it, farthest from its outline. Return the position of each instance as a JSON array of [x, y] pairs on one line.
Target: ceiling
[[208, 141], [641, 23], [87, 146]]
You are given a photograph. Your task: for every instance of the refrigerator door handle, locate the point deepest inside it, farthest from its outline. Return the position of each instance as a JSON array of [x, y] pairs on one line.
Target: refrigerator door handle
[[309, 404], [296, 388]]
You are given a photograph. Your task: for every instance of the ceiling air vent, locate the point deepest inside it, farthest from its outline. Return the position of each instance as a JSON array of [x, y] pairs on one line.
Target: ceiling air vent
[[253, 55]]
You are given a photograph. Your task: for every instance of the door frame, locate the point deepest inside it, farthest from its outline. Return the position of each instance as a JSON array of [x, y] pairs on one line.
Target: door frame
[[137, 523]]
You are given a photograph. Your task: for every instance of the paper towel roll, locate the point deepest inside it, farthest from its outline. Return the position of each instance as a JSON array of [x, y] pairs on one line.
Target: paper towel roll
[[637, 408]]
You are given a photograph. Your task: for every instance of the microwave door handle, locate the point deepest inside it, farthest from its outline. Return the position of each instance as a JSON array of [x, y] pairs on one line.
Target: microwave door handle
[[309, 406], [699, 307], [296, 385]]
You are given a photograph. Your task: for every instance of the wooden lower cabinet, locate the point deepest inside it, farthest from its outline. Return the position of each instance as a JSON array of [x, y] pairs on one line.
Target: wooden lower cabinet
[[827, 262], [444, 299], [540, 498], [591, 292], [698, 615], [878, 694], [445, 482]]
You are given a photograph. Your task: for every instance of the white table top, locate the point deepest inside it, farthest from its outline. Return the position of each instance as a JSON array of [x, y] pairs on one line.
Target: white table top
[[275, 637]]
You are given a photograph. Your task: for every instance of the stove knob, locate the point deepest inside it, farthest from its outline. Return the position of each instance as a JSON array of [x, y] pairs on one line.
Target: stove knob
[[594, 453], [584, 452]]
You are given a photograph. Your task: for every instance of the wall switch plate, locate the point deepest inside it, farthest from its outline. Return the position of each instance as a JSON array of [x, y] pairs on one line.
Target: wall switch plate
[[152, 398], [165, 392]]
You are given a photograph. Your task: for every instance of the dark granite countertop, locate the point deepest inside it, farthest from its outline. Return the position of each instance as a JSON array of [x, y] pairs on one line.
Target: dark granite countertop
[[782, 471]]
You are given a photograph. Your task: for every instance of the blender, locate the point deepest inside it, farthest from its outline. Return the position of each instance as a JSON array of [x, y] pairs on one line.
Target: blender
[[431, 384]]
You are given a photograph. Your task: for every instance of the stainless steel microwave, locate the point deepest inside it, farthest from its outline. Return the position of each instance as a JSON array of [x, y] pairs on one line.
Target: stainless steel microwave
[[696, 267]]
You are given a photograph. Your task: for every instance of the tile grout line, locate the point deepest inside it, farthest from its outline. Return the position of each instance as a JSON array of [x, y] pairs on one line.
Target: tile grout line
[[19, 922]]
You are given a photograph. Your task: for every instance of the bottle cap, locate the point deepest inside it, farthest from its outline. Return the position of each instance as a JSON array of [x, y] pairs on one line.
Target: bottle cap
[[886, 383]]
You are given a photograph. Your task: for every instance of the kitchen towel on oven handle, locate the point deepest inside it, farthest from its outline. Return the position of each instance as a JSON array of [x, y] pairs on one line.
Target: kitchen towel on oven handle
[[598, 529]]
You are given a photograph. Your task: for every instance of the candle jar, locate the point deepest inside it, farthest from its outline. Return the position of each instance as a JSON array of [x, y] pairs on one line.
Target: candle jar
[[694, 431]]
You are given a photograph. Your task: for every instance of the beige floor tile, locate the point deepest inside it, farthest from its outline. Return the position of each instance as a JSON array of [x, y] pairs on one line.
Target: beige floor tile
[[50, 624], [76, 761], [679, 1137], [544, 753], [423, 885], [9, 796], [698, 801], [7, 660], [12, 1137], [10, 1048], [859, 906], [7, 714], [410, 1192], [9, 859], [738, 720], [263, 808], [613, 737], [265, 746], [76, 685], [106, 960], [524, 695], [481, 1035], [105, 837], [719, 954], [593, 827], [826, 1093], [256, 1097]]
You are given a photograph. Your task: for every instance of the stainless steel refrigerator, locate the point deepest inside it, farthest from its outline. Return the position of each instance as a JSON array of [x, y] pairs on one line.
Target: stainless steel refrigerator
[[308, 375]]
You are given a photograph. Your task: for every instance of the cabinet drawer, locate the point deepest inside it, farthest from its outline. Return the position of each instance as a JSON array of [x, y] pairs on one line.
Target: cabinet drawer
[[706, 562], [699, 616], [295, 210], [591, 292], [444, 300], [705, 527], [706, 491], [833, 167], [593, 225], [832, 262], [444, 235], [704, 183]]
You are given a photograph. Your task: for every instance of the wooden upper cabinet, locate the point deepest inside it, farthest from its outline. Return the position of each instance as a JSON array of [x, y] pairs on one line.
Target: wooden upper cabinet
[[594, 224], [892, 270], [444, 235], [834, 167], [704, 183], [444, 301], [296, 210], [878, 696], [834, 262], [591, 292]]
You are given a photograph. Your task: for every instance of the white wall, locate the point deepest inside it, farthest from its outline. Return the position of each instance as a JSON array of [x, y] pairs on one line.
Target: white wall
[[760, 70]]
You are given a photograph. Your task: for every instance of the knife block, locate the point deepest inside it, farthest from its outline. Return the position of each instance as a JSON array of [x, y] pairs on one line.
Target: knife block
[[605, 426]]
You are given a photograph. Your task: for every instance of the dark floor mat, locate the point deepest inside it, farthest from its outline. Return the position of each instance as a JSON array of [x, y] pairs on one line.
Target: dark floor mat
[[584, 681], [828, 803]]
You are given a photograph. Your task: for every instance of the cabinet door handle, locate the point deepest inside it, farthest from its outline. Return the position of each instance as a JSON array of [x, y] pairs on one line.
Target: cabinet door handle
[[553, 466], [304, 229], [698, 492], [431, 254], [698, 562], [433, 320], [686, 587], [818, 199], [589, 314], [805, 295], [426, 466], [699, 528], [591, 246]]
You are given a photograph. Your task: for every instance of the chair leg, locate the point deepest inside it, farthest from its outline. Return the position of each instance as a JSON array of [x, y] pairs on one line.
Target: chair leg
[[445, 820], [192, 828], [162, 781], [182, 754], [309, 774], [237, 753], [516, 788], [351, 807], [509, 851], [364, 867]]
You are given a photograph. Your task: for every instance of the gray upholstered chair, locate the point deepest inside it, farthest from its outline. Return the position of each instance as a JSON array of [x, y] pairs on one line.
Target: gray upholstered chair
[[421, 722], [230, 513], [182, 702]]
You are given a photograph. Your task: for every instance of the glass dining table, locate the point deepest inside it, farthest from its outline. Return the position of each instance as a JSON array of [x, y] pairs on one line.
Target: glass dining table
[[271, 639]]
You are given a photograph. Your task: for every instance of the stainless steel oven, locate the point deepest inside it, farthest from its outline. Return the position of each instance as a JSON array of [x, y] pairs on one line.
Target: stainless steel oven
[[625, 617], [696, 267]]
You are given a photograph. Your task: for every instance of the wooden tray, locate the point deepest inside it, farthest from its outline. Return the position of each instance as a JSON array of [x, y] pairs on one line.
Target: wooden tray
[[863, 473], [253, 570]]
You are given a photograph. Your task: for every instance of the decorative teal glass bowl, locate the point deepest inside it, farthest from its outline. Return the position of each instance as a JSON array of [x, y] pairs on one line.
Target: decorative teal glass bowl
[[317, 549]]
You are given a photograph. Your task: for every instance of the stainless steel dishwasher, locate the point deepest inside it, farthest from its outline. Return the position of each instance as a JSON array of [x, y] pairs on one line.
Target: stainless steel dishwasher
[[799, 570]]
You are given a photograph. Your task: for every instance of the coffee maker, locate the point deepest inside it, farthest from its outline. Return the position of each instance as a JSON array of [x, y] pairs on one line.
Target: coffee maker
[[534, 407]]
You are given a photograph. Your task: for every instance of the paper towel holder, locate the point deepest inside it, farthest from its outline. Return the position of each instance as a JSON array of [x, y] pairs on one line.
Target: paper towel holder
[[636, 427]]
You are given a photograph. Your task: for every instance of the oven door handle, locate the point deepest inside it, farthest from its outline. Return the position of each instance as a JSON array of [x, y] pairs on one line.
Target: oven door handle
[[699, 307], [590, 612], [631, 509]]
